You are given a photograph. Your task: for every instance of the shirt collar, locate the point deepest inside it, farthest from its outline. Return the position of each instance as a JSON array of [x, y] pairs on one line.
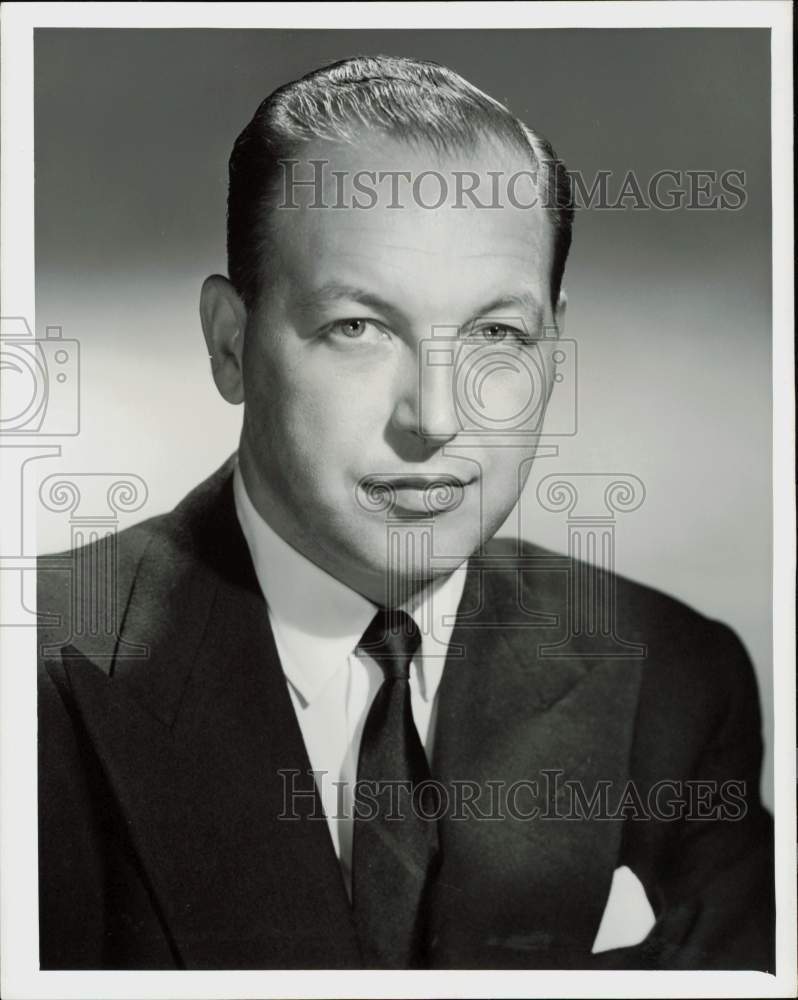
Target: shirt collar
[[318, 621]]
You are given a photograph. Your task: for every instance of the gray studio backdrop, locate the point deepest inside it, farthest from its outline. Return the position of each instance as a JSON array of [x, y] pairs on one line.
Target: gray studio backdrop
[[670, 309]]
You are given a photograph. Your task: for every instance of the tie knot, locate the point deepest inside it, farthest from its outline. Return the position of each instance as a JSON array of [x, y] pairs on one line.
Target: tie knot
[[391, 639]]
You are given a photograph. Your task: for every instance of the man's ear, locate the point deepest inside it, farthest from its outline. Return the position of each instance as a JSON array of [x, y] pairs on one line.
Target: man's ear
[[224, 320], [559, 313]]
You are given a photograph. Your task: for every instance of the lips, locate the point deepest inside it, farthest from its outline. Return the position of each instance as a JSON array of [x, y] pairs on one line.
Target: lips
[[415, 496]]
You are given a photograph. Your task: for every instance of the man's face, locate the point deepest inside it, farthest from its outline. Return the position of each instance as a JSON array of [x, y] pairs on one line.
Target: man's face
[[393, 348]]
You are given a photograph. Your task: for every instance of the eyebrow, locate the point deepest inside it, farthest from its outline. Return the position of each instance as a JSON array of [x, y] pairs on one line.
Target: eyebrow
[[334, 292], [526, 301]]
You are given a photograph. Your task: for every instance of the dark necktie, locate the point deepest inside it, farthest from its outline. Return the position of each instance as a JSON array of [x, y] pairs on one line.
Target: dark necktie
[[394, 845]]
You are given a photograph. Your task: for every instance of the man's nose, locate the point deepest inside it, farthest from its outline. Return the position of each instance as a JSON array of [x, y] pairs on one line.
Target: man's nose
[[428, 408]]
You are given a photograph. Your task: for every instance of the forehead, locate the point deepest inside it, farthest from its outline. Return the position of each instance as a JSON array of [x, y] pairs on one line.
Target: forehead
[[436, 229]]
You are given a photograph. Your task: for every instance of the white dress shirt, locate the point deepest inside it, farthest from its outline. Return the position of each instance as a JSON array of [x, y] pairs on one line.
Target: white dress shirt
[[317, 623]]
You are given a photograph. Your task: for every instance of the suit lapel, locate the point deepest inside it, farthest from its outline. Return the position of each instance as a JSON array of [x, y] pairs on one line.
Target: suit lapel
[[526, 889], [201, 745]]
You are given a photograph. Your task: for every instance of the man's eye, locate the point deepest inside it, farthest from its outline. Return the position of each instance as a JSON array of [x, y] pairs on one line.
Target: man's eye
[[496, 332], [355, 329], [351, 327]]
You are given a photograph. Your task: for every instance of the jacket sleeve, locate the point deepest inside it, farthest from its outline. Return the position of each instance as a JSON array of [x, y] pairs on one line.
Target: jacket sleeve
[[710, 874]]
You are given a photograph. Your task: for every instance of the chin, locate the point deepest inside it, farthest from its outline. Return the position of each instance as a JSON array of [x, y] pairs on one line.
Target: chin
[[420, 551]]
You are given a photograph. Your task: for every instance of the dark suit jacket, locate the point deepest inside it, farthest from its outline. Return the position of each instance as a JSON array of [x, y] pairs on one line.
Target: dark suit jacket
[[160, 839]]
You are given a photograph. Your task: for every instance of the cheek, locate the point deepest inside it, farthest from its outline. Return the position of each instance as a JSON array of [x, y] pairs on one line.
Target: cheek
[[334, 411], [505, 472], [322, 425], [503, 390]]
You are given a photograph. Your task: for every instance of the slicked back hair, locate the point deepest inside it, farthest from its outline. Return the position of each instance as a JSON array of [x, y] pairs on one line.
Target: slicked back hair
[[404, 98]]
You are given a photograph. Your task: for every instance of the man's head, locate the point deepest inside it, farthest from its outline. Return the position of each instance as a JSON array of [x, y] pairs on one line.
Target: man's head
[[363, 98], [396, 245]]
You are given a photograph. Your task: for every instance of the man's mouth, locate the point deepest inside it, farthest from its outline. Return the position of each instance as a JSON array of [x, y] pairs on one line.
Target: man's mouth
[[417, 496]]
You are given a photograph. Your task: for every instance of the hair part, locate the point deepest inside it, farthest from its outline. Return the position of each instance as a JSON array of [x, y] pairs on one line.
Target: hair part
[[410, 99]]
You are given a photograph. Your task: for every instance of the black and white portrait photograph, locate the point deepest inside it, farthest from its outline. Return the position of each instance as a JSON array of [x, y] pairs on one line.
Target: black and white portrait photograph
[[397, 447]]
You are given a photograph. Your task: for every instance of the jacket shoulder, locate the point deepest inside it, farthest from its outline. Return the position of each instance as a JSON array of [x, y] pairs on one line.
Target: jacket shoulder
[[634, 599], [91, 583], [687, 656], [116, 552], [89, 578]]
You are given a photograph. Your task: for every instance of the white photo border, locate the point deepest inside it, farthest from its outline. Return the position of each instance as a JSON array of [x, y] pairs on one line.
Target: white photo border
[[21, 977]]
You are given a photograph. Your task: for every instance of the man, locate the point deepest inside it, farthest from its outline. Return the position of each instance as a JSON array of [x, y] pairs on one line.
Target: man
[[339, 727]]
